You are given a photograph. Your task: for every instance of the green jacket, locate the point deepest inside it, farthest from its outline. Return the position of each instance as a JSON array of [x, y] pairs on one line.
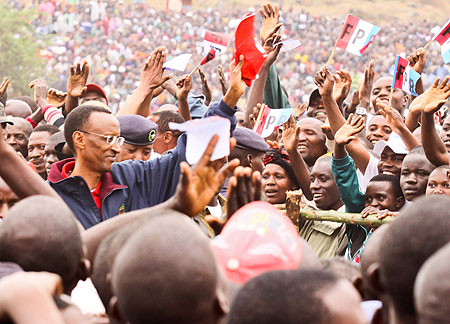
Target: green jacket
[[274, 95]]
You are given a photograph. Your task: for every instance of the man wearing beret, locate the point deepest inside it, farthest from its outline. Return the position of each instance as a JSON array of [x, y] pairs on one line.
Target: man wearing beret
[[250, 148], [139, 134]]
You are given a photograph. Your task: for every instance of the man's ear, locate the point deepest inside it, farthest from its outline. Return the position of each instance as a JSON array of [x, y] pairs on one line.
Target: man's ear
[[84, 269], [357, 282], [249, 159], [374, 275], [399, 202], [78, 139], [114, 310], [405, 100], [168, 136]]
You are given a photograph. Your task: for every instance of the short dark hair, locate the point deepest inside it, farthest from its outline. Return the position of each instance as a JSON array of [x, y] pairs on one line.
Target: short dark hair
[[416, 233], [166, 117], [51, 129], [40, 234], [260, 300], [395, 182], [76, 120], [29, 101]]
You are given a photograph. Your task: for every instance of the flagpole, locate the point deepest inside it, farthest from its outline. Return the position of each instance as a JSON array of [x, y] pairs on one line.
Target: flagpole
[[332, 55], [259, 117], [194, 70], [428, 44]]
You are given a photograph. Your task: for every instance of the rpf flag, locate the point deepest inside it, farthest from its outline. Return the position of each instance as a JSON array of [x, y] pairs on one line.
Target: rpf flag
[[246, 44], [356, 35], [217, 40], [271, 119], [178, 63], [443, 38], [209, 57], [405, 77]]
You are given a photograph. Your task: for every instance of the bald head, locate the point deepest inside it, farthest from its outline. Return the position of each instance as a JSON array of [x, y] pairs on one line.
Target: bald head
[[40, 234], [167, 272], [432, 288], [17, 108]]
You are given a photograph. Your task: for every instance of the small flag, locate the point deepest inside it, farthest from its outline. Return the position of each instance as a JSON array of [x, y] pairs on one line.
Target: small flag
[[443, 38], [405, 77], [210, 56], [356, 35], [178, 63], [271, 119], [217, 40], [288, 45], [246, 44]]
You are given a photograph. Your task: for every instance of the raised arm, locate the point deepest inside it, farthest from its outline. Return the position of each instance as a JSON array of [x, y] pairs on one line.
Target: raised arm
[[76, 85], [432, 101], [205, 87], [151, 78], [291, 134], [184, 86]]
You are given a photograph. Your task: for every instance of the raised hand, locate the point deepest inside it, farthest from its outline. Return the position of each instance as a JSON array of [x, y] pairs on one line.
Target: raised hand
[[366, 87], [199, 184], [253, 117], [76, 84], [222, 79], [418, 60], [348, 131], [290, 135], [433, 99], [56, 98], [393, 117], [152, 74], [40, 91], [270, 15], [205, 87], [272, 52], [184, 86], [324, 80], [300, 109], [342, 87], [3, 87], [237, 84]]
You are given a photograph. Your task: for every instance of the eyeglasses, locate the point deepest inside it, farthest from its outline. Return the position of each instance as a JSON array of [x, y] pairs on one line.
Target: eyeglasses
[[109, 139]]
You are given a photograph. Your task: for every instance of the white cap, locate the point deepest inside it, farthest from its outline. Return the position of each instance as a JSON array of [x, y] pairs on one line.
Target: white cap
[[395, 143]]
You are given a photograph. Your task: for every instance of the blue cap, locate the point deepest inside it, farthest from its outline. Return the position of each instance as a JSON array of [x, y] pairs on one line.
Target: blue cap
[[137, 130]]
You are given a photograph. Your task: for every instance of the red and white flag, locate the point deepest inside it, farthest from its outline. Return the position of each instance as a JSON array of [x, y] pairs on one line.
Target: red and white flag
[[209, 57], [356, 35], [271, 119], [219, 41], [443, 38]]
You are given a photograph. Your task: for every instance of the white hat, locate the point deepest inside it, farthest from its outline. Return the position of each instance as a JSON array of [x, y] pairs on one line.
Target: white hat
[[394, 142]]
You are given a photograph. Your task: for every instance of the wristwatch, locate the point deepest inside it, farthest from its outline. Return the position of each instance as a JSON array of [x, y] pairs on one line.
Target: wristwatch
[[361, 111]]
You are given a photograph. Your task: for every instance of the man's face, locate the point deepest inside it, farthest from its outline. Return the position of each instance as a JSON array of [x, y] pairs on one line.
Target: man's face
[[445, 133], [378, 130], [240, 116], [311, 144], [382, 89], [390, 162], [92, 96], [97, 153], [36, 150], [414, 177], [275, 182], [344, 303], [50, 155], [380, 195], [257, 162], [7, 198], [134, 152], [439, 182], [317, 110], [323, 187], [17, 137]]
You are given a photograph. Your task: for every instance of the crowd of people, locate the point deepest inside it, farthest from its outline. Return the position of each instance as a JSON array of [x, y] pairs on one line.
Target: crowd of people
[[103, 220]]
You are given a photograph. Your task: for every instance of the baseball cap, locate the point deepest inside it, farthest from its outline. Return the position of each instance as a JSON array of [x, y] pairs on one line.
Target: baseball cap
[[137, 130], [97, 88], [257, 238], [394, 142]]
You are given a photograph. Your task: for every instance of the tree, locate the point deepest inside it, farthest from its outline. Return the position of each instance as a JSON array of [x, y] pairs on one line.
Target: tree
[[19, 58]]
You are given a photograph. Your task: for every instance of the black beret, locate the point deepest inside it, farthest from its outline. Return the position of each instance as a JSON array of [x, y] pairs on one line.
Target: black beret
[[137, 130], [249, 139]]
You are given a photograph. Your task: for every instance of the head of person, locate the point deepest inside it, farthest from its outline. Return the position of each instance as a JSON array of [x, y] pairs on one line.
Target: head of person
[[432, 288], [93, 93], [323, 186], [278, 176], [17, 108], [250, 148], [391, 154], [29, 101], [378, 129], [316, 108], [444, 134], [36, 146], [153, 279], [50, 150], [309, 296], [7, 198], [384, 192], [17, 135], [40, 234], [420, 230], [166, 139], [415, 172], [343, 268], [139, 134], [381, 91], [439, 181], [240, 117], [93, 135], [312, 141]]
